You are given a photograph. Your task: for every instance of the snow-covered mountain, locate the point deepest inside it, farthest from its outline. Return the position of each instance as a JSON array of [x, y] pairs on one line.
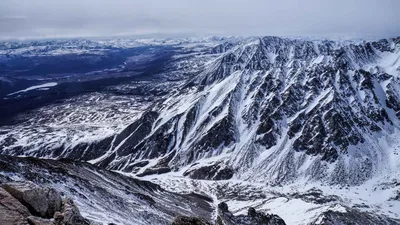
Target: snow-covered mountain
[[277, 110], [269, 110], [85, 46]]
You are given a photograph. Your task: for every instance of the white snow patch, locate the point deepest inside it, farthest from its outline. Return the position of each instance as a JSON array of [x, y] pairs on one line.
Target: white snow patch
[[40, 87]]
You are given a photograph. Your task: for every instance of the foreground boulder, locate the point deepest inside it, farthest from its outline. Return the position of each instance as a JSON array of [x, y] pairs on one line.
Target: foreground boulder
[[11, 210], [43, 202], [25, 203], [33, 220], [70, 215]]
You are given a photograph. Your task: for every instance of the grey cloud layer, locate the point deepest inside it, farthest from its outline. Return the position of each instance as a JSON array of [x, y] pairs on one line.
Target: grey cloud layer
[[73, 18]]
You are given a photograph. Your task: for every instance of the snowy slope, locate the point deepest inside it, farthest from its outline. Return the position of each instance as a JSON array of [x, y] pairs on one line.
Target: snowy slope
[[289, 114], [266, 109], [105, 196], [275, 110]]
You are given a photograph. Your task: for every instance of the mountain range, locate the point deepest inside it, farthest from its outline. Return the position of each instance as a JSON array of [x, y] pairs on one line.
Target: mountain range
[[305, 129]]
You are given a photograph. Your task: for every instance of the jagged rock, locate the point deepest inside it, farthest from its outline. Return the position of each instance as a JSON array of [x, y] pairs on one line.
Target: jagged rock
[[33, 220], [315, 196], [108, 196], [397, 196], [210, 172], [223, 207], [225, 217], [42, 202], [11, 210], [19, 200], [70, 215], [186, 220], [151, 171], [254, 217], [352, 216]]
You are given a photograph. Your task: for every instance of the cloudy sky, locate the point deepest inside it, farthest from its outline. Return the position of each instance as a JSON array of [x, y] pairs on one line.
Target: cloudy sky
[[21, 19]]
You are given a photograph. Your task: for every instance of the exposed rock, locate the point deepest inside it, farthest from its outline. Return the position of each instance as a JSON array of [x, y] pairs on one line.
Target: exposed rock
[[33, 220], [225, 217], [42, 202], [151, 171], [396, 196], [69, 215], [315, 196], [223, 207], [11, 210], [108, 196], [19, 200], [352, 216], [210, 172], [53, 200], [186, 220]]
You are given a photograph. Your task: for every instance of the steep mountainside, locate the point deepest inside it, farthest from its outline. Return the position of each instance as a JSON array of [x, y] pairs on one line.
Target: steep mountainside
[[268, 109], [110, 197], [105, 196]]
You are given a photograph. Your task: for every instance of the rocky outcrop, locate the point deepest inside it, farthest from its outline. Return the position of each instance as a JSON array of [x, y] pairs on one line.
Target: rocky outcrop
[[225, 217], [69, 215], [26, 203], [40, 201], [186, 220], [352, 216], [33, 220], [104, 195], [11, 210], [216, 171]]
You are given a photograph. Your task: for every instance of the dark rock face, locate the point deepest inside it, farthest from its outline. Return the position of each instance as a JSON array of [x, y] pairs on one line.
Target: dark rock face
[[315, 196], [129, 138], [396, 197], [223, 207], [225, 217], [184, 220], [252, 218], [160, 167], [221, 134], [212, 172], [352, 216], [150, 171]]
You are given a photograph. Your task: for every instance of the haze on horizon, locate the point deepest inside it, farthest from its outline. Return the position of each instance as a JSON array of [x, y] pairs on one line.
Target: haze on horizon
[[23, 19]]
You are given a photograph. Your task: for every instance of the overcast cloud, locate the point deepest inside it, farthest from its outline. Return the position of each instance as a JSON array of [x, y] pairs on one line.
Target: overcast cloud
[[90, 18]]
